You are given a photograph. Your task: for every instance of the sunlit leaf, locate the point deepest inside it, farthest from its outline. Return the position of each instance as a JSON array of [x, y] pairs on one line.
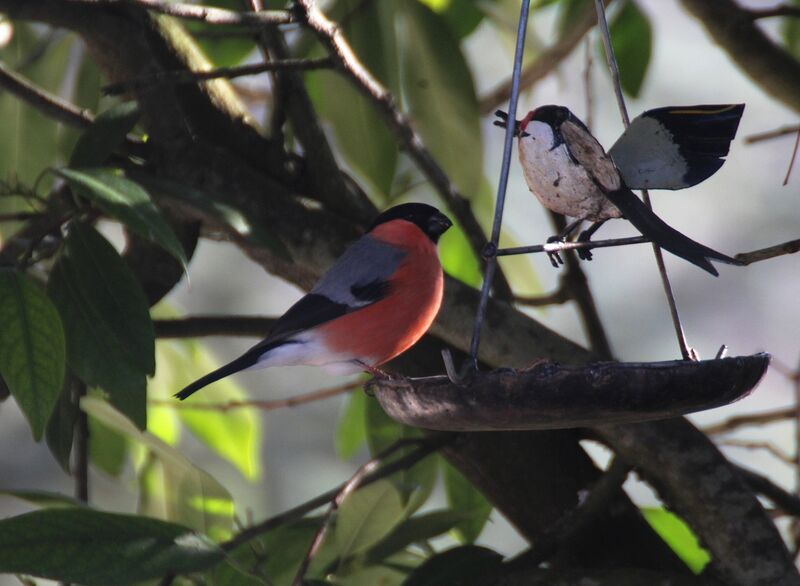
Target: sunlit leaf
[[234, 434], [351, 431], [32, 349], [105, 136], [108, 449], [368, 515], [95, 548], [193, 497], [462, 496], [458, 259], [679, 536], [126, 201], [438, 87], [632, 39], [467, 565]]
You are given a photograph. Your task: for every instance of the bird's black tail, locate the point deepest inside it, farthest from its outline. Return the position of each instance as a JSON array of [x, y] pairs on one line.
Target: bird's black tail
[[667, 237], [246, 360]]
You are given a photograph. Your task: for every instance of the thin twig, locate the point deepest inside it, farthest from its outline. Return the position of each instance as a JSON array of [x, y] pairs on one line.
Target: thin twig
[[544, 64], [347, 63], [737, 421], [780, 10], [186, 76], [207, 14], [214, 325], [261, 405], [769, 135], [792, 160], [760, 445], [491, 266], [47, 103], [557, 297], [686, 352], [346, 490], [782, 498], [748, 258], [431, 445]]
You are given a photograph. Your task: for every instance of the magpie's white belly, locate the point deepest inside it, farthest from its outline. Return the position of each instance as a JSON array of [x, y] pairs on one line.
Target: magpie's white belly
[[560, 184]]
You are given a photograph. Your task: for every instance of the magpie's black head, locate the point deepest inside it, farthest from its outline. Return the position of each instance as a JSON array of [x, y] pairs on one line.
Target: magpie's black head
[[430, 220], [550, 114]]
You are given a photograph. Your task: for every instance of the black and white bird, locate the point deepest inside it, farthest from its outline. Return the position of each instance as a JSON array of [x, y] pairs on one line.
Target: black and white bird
[[568, 170]]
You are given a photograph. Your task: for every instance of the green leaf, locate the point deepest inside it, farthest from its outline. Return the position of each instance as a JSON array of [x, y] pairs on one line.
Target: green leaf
[[367, 516], [360, 132], [235, 434], [790, 29], [415, 530], [458, 259], [677, 534], [468, 565], [110, 336], [61, 428], [223, 212], [439, 90], [44, 499], [569, 11], [126, 201], [464, 497], [632, 39], [222, 50], [105, 136], [351, 431], [108, 449], [188, 494], [96, 548], [417, 482], [32, 351], [462, 16]]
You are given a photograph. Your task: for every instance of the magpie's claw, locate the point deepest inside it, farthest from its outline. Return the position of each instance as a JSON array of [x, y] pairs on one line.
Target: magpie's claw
[[555, 258]]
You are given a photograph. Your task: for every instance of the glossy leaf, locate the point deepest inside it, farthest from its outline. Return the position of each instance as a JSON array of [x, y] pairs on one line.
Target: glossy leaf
[[44, 499], [235, 434], [32, 349], [60, 428], [415, 530], [351, 431], [105, 136], [367, 516], [360, 132], [467, 565], [632, 39], [462, 496], [440, 93], [189, 495], [95, 548], [679, 536], [223, 212], [127, 202], [110, 337]]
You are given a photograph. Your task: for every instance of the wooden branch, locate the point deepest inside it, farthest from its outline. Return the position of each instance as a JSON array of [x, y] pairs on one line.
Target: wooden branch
[[603, 576], [780, 10], [348, 63], [207, 14], [782, 498], [737, 421], [765, 62], [783, 131], [186, 76], [770, 252], [214, 325], [551, 396]]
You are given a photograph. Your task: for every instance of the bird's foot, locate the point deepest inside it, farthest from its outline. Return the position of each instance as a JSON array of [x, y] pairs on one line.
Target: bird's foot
[[584, 253], [375, 371], [555, 258]]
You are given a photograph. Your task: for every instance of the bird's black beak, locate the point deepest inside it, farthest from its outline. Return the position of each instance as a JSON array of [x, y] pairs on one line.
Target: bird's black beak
[[438, 225], [503, 122]]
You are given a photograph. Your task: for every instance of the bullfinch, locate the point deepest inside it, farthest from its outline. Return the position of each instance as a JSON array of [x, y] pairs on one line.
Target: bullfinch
[[374, 303], [568, 170]]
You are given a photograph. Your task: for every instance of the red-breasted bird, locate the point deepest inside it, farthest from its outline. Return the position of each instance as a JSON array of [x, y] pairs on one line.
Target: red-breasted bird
[[567, 169], [374, 303]]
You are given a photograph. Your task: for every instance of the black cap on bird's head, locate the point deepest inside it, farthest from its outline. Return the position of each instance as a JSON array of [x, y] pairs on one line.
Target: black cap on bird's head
[[552, 115], [430, 220]]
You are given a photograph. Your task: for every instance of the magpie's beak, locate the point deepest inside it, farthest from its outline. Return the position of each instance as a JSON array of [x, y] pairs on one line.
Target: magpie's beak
[[503, 123]]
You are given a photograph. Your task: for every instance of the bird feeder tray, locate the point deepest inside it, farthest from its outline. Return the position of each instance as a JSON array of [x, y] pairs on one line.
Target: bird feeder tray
[[549, 395]]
